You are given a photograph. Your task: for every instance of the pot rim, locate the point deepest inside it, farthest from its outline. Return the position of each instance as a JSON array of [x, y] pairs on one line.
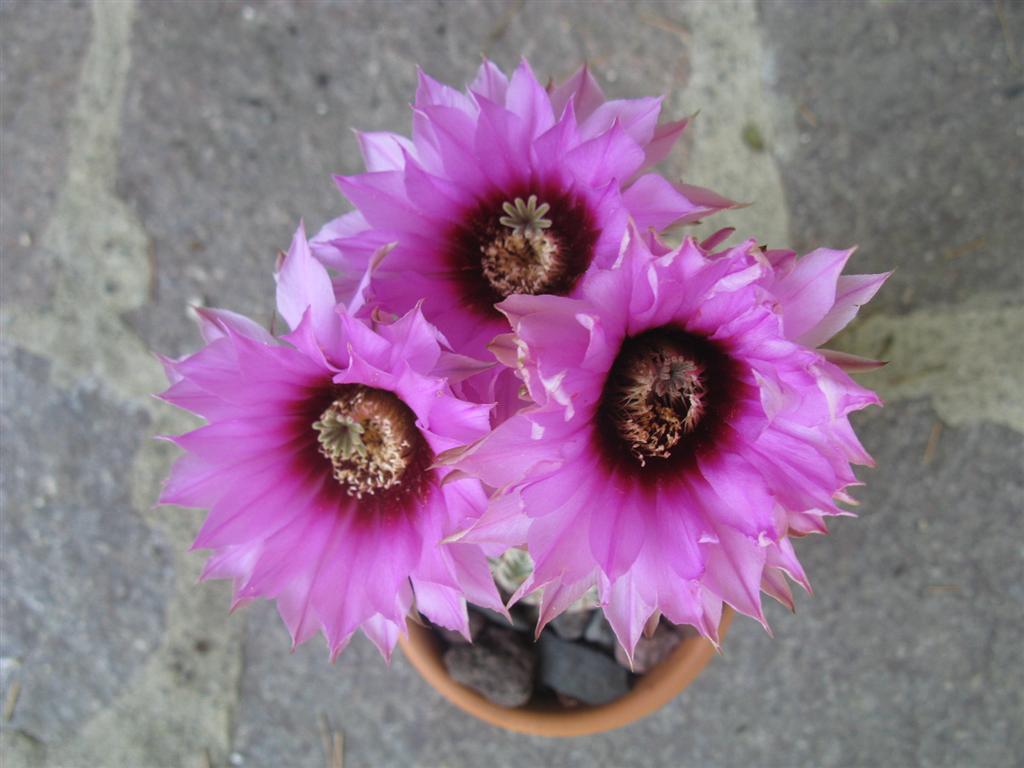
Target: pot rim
[[652, 691]]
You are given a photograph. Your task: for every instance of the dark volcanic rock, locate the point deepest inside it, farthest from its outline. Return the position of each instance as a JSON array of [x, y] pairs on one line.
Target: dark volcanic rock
[[571, 626], [651, 650], [477, 621], [500, 664], [599, 631], [524, 617], [579, 671]]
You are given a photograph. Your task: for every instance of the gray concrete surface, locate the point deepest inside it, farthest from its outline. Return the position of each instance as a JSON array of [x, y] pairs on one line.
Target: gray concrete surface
[[158, 153]]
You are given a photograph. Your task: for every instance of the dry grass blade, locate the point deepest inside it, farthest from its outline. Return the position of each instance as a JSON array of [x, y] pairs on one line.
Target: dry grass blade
[[338, 752], [325, 737], [665, 25], [12, 700], [933, 443], [1011, 49], [962, 250]]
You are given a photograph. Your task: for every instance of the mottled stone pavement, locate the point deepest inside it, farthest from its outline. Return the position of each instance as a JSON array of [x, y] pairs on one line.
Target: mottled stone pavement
[[158, 154]]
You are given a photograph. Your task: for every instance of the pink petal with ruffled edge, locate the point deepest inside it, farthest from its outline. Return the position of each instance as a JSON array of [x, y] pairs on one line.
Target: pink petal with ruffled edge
[[303, 283], [809, 292], [852, 291]]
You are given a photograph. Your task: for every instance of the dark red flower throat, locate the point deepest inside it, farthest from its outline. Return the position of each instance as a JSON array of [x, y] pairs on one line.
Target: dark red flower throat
[[664, 401], [366, 439], [533, 238]]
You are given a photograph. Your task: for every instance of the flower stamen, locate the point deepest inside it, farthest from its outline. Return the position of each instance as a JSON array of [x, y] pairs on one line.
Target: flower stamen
[[659, 398], [525, 260], [365, 438], [514, 263]]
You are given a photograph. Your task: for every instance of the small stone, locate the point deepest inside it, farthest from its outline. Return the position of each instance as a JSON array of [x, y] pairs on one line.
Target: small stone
[[477, 622], [450, 636], [753, 138], [571, 626], [524, 617], [567, 702], [500, 664], [580, 671], [650, 651], [518, 623], [599, 632]]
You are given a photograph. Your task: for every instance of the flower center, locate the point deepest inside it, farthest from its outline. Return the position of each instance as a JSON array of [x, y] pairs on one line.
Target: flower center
[[523, 258], [660, 399], [667, 400], [530, 237], [369, 436], [656, 395]]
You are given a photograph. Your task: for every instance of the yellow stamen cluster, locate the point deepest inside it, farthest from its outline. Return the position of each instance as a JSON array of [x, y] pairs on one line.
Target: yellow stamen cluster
[[518, 264], [364, 438]]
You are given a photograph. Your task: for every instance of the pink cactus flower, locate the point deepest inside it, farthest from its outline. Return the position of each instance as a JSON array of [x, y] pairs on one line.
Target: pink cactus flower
[[507, 189], [317, 465], [685, 429]]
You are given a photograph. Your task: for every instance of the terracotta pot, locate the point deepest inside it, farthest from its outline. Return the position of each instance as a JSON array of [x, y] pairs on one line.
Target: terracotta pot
[[651, 692]]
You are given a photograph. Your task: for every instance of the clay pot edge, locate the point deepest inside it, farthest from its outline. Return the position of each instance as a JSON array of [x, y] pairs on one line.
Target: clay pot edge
[[655, 689]]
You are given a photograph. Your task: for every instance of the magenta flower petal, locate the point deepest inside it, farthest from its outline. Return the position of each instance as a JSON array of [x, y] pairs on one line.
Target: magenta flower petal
[[678, 430], [581, 90], [616, 541], [527, 98], [503, 522], [303, 283], [637, 117], [217, 323], [384, 151], [654, 202], [318, 468], [490, 83], [444, 606], [608, 156], [734, 568], [628, 608], [383, 633], [809, 291], [661, 143], [557, 599], [852, 291]]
